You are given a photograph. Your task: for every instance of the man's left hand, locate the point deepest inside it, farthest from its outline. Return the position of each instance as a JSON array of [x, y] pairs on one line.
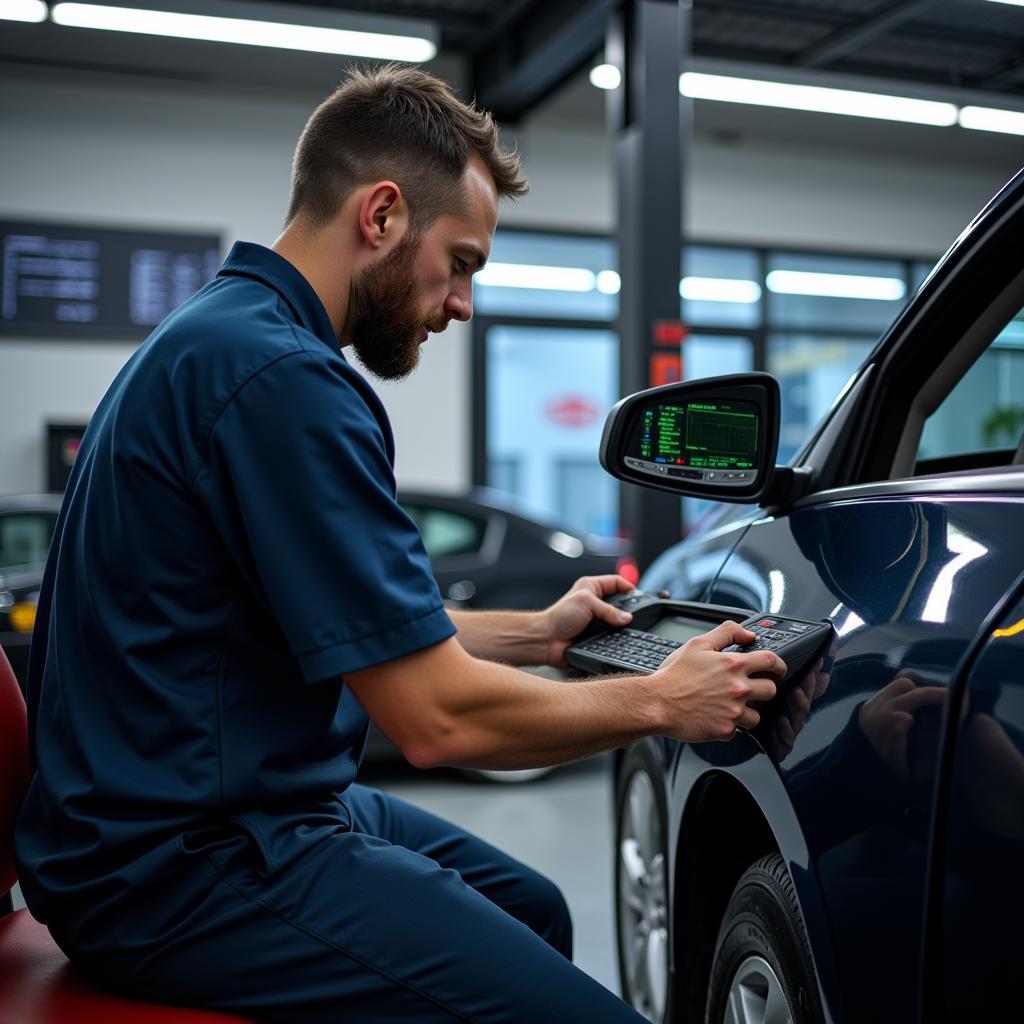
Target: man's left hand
[[571, 614]]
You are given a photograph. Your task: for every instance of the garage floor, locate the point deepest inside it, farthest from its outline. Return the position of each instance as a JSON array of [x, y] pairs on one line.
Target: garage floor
[[561, 825]]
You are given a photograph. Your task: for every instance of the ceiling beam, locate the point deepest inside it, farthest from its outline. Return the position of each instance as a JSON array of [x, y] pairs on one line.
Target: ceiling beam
[[846, 40], [536, 52]]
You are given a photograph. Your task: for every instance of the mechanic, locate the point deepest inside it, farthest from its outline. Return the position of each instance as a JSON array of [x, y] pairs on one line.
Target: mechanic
[[233, 588]]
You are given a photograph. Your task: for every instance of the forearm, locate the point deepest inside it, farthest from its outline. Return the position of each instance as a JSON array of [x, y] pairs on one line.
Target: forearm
[[441, 705], [515, 638], [498, 717]]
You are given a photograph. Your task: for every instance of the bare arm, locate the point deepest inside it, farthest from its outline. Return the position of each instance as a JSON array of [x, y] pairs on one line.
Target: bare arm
[[540, 638], [443, 706]]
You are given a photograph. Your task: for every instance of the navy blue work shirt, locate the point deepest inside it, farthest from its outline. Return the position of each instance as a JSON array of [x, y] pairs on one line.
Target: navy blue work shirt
[[229, 547]]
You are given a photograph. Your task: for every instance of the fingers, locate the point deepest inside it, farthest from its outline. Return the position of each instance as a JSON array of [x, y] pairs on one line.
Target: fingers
[[762, 689], [749, 719], [723, 635], [764, 661], [799, 702], [899, 686], [605, 612], [602, 585], [919, 697]]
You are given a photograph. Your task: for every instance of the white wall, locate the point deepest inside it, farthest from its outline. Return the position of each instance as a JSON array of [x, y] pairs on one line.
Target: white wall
[[174, 157], [181, 160]]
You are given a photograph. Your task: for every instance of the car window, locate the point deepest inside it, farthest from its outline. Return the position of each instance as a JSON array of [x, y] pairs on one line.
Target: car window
[[447, 533], [984, 413], [25, 537]]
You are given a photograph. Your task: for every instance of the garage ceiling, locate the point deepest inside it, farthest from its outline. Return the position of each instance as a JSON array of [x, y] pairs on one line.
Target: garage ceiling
[[960, 43], [969, 43], [948, 42], [516, 52]]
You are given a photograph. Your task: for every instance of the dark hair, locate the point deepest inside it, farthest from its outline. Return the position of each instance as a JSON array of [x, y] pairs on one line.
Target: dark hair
[[400, 123]]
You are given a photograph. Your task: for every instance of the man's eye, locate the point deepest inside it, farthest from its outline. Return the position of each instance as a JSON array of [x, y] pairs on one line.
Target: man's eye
[[461, 266]]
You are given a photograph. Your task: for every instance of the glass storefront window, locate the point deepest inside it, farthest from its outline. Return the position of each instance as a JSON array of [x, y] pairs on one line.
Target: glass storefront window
[[840, 292], [549, 390], [540, 275], [811, 371], [720, 287], [815, 317]]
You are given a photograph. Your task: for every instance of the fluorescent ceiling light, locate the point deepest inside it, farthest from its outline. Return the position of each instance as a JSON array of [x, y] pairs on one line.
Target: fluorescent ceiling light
[[816, 98], [719, 289], [1014, 3], [837, 286], [608, 282], [989, 119], [606, 76], [282, 35], [22, 10], [524, 275]]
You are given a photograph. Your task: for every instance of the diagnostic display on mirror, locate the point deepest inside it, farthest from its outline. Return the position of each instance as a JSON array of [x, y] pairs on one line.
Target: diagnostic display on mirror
[[716, 441]]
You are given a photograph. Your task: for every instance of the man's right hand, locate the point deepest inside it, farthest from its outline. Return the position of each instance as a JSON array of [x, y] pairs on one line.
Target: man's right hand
[[706, 691]]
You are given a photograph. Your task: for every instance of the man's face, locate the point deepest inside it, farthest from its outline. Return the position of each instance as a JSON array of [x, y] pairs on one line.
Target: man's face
[[423, 283], [386, 313]]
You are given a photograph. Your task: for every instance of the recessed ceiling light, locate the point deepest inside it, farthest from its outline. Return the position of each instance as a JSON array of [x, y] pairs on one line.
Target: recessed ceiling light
[[990, 119], [525, 275], [248, 31], [816, 98], [606, 76], [22, 10], [836, 286], [719, 289]]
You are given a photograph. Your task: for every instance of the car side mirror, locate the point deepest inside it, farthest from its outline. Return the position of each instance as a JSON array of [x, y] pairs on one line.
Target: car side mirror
[[714, 438]]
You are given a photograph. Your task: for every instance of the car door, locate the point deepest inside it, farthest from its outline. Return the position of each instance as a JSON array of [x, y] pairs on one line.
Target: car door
[[905, 578], [977, 901], [908, 539]]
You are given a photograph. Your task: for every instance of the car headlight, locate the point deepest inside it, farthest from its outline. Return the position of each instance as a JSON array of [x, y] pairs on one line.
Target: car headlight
[[22, 616]]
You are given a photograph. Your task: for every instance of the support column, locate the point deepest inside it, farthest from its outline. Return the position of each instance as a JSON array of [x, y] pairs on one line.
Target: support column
[[649, 41]]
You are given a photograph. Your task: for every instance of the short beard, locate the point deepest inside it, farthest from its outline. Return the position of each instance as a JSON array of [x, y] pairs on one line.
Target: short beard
[[384, 316]]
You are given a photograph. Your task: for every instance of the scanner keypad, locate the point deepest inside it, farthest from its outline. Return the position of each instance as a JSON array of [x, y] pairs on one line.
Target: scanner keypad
[[631, 647], [768, 639]]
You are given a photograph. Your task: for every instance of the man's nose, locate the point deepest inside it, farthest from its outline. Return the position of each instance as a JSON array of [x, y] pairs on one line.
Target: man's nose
[[459, 305]]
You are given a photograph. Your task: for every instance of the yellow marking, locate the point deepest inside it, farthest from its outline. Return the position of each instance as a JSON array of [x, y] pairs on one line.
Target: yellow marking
[[1017, 627]]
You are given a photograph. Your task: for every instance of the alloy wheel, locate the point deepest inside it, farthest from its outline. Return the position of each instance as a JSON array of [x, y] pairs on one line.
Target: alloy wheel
[[643, 900], [756, 995]]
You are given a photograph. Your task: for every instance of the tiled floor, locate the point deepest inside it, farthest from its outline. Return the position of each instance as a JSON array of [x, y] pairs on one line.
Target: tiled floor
[[560, 824]]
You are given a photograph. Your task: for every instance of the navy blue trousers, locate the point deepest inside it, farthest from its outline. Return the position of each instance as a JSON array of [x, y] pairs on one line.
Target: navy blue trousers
[[405, 918]]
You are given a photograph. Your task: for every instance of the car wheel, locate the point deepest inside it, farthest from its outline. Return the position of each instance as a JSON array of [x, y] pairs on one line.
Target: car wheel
[[762, 971], [641, 887]]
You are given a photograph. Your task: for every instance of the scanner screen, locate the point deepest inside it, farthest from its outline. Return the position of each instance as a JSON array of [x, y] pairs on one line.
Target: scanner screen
[[675, 627]]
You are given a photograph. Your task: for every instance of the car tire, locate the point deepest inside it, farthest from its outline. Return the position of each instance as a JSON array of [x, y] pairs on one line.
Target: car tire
[[762, 970], [641, 887]]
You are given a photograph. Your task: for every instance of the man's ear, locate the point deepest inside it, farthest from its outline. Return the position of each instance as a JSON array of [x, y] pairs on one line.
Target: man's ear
[[383, 215]]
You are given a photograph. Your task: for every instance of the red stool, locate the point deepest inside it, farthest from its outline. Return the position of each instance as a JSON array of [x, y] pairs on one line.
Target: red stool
[[37, 984]]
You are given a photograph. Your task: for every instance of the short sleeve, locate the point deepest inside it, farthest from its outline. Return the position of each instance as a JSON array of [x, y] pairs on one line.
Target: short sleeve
[[297, 480]]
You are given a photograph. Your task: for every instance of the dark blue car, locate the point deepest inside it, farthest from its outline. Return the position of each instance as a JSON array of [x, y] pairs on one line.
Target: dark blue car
[[855, 857]]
